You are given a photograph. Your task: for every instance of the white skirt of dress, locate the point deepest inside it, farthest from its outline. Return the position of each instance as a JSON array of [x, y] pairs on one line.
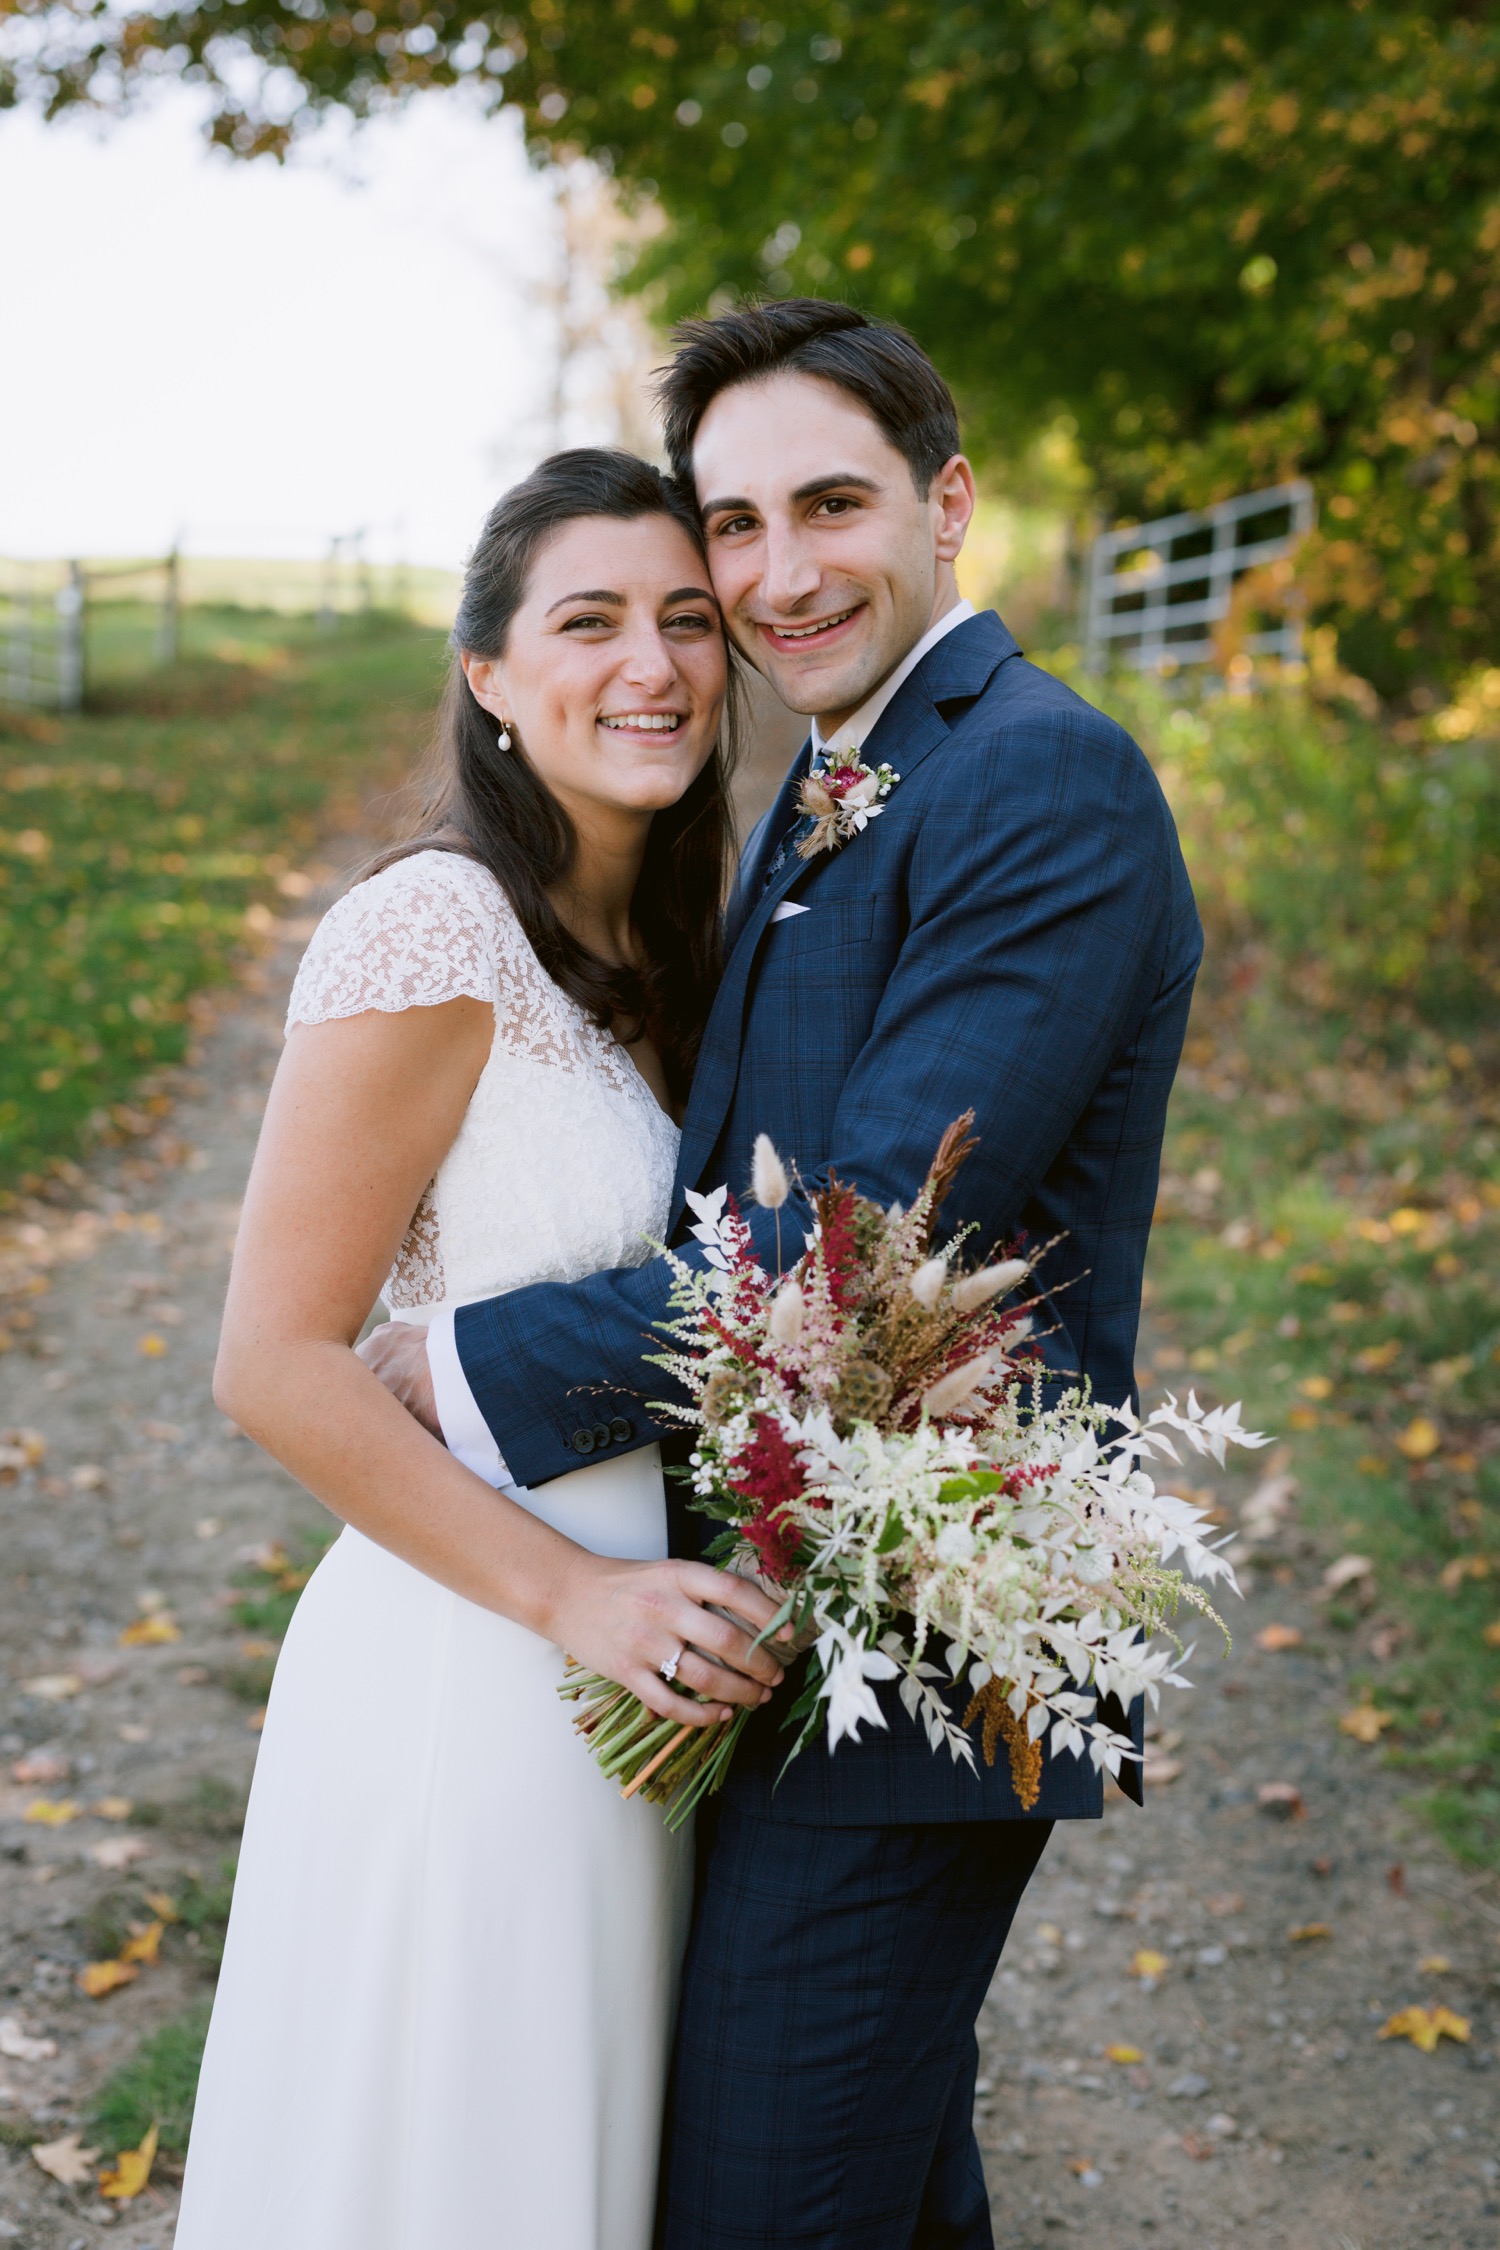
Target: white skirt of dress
[[446, 2006]]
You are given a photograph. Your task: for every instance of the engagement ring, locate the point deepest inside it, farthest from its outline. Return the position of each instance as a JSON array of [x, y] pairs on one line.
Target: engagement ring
[[669, 1669]]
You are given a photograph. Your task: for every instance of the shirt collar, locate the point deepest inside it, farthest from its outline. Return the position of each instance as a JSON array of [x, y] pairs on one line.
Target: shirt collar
[[854, 732]]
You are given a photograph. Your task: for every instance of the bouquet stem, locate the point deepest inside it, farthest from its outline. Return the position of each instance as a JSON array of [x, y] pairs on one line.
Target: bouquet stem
[[667, 1763]]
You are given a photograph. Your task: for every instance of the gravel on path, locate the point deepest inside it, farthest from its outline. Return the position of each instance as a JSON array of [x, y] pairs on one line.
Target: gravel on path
[[1232, 2088]]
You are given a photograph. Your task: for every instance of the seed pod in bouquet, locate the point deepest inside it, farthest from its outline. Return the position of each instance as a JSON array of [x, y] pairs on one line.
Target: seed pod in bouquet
[[785, 1323], [927, 1282], [863, 1394], [768, 1177], [976, 1289], [958, 1387], [723, 1395]]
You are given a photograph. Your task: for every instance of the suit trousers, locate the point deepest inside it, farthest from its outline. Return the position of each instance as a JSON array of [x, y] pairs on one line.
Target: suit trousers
[[823, 2077]]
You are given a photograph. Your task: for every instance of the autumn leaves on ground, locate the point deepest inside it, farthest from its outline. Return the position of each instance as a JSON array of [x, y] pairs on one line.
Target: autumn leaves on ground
[[1267, 2006]]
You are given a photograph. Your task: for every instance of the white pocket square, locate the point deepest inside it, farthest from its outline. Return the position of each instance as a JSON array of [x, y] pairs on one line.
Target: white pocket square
[[788, 910]]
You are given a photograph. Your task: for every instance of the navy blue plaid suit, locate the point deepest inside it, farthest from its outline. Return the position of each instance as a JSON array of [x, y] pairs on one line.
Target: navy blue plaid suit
[[1015, 933]]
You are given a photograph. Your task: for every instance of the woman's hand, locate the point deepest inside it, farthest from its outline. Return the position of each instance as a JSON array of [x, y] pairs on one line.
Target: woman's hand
[[627, 1619]]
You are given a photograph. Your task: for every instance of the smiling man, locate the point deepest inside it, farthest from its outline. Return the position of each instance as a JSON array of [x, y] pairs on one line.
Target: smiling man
[[1014, 934]]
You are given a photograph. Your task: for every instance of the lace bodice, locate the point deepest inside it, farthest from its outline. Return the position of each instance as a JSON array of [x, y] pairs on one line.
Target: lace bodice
[[563, 1163]]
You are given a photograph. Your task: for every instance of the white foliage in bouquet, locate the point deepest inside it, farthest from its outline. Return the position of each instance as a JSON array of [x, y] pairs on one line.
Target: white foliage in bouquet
[[874, 1433]]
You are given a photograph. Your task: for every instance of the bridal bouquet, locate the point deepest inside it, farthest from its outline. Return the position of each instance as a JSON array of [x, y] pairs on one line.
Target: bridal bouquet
[[873, 1436]]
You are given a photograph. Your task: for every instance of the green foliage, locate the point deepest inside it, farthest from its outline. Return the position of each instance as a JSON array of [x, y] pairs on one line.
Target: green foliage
[[133, 839], [1355, 866], [273, 1586], [1223, 250], [1328, 1235], [203, 1910], [158, 2085]]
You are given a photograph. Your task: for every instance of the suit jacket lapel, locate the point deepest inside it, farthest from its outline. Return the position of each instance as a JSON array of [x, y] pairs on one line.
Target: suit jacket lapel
[[751, 875], [908, 730]]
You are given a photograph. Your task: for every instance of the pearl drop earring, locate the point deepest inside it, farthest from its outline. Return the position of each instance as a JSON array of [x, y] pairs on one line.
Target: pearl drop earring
[[504, 742]]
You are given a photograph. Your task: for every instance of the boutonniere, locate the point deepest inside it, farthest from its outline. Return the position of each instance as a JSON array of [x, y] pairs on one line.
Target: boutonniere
[[840, 801]]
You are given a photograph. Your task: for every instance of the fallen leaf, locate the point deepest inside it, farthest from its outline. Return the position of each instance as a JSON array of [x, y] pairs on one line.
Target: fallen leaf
[[1346, 1571], [1432, 1964], [88, 1477], [66, 2160], [257, 1720], [1274, 1638], [1145, 1963], [1424, 2027], [1157, 1772], [152, 1346], [1419, 1440], [1453, 1574], [253, 1651], [52, 1812], [1395, 1877], [1303, 1418], [1226, 1902], [1123, 2055], [193, 1675], [143, 1945], [1492, 1634], [1376, 1358], [161, 1433], [117, 1852], [132, 1731], [1281, 1800], [1306, 1930], [150, 1631], [162, 1905], [1316, 1386], [41, 1766], [31, 1443], [96, 1978], [53, 1687], [1198, 2149], [132, 2169], [1365, 1723], [19, 2046]]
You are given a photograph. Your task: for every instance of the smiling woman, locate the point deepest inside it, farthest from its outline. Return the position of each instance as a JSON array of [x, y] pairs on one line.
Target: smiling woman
[[585, 745]]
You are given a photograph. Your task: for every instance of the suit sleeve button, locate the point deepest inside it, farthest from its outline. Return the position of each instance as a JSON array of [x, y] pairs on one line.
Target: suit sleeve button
[[583, 1441], [620, 1429], [600, 1434]]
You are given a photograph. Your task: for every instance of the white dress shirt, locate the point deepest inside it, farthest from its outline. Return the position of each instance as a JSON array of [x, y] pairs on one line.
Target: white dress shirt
[[466, 1433]]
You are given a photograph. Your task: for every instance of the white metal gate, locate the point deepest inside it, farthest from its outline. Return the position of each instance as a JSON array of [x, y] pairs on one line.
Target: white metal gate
[[1155, 590], [41, 635]]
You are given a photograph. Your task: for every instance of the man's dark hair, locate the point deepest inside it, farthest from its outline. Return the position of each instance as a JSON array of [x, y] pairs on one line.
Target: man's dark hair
[[873, 360]]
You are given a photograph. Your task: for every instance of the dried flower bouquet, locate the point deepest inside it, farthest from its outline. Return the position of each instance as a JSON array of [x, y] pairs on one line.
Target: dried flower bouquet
[[873, 1434]]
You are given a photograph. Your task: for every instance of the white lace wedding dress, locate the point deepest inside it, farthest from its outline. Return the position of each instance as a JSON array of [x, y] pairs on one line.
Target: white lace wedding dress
[[447, 1997]]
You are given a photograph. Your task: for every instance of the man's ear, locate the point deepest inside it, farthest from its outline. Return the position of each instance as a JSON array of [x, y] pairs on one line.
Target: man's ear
[[951, 498]]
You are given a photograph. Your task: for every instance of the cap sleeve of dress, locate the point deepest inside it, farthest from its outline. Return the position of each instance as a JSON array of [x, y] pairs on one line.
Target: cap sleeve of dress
[[417, 934]]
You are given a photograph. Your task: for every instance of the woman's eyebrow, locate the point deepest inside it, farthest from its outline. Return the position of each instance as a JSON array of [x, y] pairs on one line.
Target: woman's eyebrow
[[689, 594], [594, 594]]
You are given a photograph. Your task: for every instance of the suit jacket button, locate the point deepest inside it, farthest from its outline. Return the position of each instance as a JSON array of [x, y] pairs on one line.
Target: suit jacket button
[[583, 1441], [620, 1429], [600, 1434]]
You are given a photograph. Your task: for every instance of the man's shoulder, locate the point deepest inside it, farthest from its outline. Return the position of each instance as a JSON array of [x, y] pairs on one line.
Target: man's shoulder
[[1028, 730]]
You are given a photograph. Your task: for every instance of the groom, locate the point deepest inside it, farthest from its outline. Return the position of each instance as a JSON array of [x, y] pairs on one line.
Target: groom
[[1013, 934]]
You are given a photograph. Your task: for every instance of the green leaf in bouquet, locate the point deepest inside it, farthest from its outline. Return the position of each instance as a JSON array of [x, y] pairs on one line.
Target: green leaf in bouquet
[[974, 1484], [893, 1534]]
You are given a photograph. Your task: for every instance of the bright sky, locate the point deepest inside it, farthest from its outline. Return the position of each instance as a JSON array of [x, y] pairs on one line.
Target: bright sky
[[255, 357]]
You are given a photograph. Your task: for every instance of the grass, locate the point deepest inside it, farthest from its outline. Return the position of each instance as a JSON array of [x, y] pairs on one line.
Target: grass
[[157, 2086], [1328, 1237], [142, 841]]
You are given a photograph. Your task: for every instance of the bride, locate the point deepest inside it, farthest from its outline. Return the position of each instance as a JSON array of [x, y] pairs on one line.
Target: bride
[[447, 1997]]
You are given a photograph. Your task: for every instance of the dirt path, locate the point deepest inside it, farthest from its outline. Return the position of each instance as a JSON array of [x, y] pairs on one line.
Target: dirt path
[[1263, 2108]]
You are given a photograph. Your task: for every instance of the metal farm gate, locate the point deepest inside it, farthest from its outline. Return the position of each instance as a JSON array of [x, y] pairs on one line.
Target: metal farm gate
[[1155, 591], [41, 635]]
